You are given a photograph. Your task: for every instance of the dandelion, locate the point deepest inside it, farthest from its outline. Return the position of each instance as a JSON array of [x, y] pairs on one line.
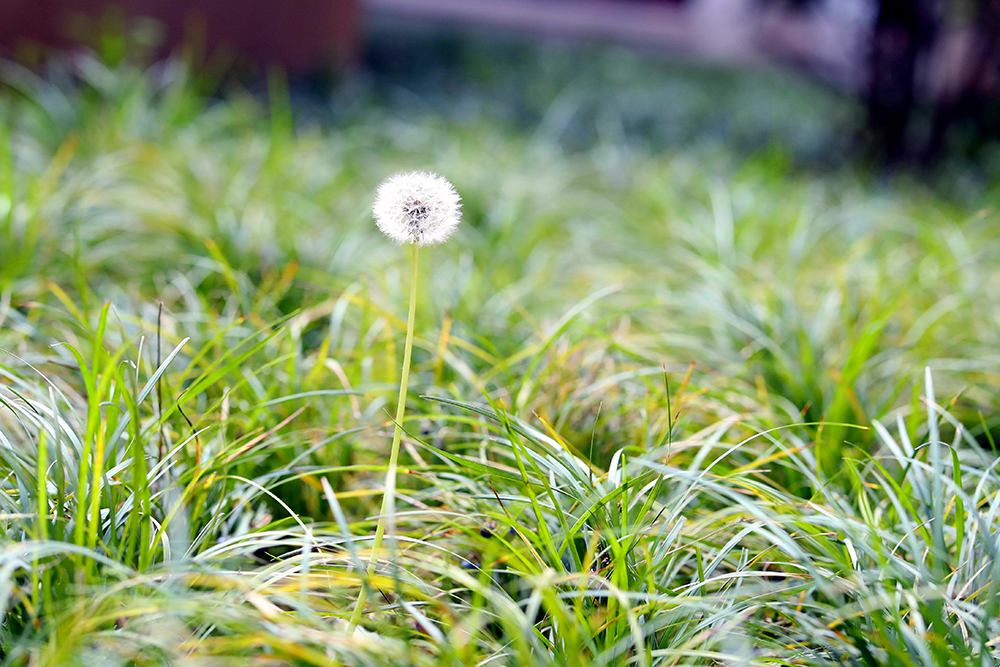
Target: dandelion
[[417, 207], [421, 209]]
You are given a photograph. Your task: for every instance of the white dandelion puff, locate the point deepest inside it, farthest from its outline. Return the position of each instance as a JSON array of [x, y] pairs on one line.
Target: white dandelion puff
[[417, 207]]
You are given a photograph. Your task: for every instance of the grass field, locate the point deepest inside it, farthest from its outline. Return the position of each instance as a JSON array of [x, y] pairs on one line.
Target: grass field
[[698, 405]]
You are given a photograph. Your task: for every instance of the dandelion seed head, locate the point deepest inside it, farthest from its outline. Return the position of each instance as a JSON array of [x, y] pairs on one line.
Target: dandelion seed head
[[417, 207]]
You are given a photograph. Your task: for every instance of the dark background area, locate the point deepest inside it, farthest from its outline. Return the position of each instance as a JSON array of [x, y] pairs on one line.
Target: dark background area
[[926, 72]]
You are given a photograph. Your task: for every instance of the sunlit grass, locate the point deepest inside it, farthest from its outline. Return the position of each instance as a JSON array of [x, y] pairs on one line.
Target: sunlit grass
[[664, 409]]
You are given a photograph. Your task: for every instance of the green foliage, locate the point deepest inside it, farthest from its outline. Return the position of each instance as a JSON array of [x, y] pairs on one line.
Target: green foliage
[[643, 418]]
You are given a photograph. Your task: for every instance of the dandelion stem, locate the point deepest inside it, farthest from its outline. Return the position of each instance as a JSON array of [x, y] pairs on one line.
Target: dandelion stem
[[387, 515]]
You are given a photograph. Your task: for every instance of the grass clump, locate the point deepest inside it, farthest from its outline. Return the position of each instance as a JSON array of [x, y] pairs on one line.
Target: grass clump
[[662, 409]]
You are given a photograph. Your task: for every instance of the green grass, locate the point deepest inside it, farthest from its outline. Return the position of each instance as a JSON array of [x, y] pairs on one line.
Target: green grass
[[666, 408]]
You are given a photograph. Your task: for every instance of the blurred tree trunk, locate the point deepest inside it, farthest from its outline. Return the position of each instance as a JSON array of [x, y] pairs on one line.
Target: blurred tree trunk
[[968, 97], [904, 32]]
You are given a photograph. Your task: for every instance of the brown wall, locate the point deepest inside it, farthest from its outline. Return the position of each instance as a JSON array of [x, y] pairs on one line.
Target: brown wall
[[298, 34]]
